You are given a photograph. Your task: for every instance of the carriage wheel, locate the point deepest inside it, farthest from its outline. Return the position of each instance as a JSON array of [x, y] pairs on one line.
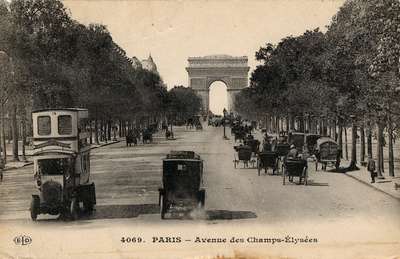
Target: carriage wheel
[[162, 206]]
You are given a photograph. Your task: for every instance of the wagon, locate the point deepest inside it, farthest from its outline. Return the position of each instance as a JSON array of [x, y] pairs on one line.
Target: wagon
[[327, 153], [182, 189], [243, 155], [295, 168], [267, 160]]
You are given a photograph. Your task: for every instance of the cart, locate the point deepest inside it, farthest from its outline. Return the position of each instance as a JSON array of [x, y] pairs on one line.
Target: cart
[[327, 153], [267, 160], [243, 155], [295, 168], [182, 189]]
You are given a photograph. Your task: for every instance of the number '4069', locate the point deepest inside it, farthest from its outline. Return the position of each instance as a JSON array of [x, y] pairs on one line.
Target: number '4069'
[[131, 240]]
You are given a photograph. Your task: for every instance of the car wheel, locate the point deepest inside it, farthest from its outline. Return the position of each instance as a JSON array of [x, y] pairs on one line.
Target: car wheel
[[35, 207], [73, 209], [162, 207]]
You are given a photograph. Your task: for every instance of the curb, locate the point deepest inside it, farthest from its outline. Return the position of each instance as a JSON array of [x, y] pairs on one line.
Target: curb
[[13, 168], [106, 144], [373, 187], [31, 163]]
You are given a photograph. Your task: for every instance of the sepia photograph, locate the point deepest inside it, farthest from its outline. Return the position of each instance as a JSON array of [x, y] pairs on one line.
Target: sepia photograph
[[200, 129]]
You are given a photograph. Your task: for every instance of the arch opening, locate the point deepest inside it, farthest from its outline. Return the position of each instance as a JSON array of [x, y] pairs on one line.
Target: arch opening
[[218, 97]]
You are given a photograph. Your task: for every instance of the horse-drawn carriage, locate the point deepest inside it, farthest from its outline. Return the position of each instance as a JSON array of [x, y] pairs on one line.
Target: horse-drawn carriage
[[282, 149], [182, 183], [327, 153], [243, 154], [295, 168], [267, 160], [147, 136], [254, 144], [304, 142], [240, 134]]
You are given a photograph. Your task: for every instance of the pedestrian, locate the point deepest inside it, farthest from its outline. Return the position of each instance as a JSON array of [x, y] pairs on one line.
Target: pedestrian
[[2, 166], [371, 168]]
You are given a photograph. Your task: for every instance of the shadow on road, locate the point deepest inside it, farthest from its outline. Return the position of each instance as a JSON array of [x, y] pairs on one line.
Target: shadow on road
[[312, 183], [122, 211], [229, 215]]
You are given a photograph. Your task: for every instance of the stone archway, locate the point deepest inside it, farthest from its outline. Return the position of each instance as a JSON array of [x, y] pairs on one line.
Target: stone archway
[[203, 71]]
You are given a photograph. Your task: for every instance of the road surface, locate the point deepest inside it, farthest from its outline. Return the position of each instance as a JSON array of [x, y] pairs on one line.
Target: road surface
[[337, 216]]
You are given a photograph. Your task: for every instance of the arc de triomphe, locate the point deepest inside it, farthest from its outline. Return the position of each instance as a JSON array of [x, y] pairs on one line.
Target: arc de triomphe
[[203, 71]]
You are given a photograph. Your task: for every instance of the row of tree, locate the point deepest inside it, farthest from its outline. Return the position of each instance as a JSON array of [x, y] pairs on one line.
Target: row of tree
[[49, 60], [327, 82]]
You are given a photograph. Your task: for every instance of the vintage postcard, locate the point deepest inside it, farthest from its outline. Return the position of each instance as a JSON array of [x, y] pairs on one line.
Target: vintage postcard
[[182, 129]]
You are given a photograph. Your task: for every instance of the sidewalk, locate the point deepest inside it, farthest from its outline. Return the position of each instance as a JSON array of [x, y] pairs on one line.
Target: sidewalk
[[386, 185], [10, 165]]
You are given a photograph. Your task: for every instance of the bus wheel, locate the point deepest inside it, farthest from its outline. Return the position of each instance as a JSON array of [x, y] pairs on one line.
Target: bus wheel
[[35, 207]]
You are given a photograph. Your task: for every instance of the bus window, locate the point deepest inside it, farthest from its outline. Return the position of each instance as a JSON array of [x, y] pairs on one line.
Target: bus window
[[54, 166], [44, 125], [64, 124]]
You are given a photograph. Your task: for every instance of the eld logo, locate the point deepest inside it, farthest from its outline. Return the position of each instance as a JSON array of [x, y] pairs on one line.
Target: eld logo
[[22, 240]]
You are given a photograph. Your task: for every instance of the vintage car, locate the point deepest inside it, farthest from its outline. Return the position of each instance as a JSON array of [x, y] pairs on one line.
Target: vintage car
[[182, 189], [61, 163]]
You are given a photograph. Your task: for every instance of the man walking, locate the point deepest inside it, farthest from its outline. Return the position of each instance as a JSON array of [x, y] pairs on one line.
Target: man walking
[[371, 168]]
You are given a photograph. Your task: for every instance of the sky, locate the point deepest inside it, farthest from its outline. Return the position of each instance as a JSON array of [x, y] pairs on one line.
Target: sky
[[173, 30]]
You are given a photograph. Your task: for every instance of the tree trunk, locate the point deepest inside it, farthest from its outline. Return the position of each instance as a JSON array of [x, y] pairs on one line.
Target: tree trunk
[[287, 123], [335, 134], [96, 132], [109, 128], [301, 126], [120, 133], [391, 155], [14, 124], [369, 139], [91, 133], [23, 124], [340, 138], [379, 150], [291, 123], [3, 135], [362, 136], [267, 128], [353, 161], [345, 143]]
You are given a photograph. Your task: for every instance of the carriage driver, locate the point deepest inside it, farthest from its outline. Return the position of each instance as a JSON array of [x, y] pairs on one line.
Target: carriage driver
[[293, 152]]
